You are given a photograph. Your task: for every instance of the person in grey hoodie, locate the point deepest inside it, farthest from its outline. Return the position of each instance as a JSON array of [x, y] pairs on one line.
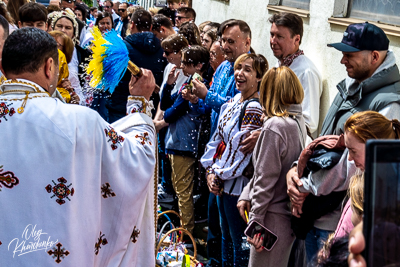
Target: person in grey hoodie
[[146, 52], [281, 140]]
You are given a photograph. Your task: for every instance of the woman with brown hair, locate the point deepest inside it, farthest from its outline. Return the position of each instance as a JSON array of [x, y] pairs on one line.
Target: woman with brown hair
[[359, 128], [226, 163], [281, 140], [191, 32], [13, 7], [209, 38]]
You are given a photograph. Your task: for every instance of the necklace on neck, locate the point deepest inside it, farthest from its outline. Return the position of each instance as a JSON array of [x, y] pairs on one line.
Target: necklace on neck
[[250, 96]]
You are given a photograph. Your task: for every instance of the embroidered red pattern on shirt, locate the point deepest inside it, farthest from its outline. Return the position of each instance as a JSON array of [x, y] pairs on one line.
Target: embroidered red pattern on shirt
[[7, 179], [287, 61], [58, 253], [106, 191], [60, 190], [6, 110], [114, 138], [144, 138], [101, 241], [135, 234]]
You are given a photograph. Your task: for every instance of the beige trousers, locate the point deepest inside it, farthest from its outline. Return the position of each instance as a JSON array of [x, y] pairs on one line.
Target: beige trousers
[[182, 181]]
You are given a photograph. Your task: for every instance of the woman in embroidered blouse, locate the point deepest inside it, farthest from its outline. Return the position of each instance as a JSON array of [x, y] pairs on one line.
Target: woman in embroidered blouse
[[280, 143], [225, 162]]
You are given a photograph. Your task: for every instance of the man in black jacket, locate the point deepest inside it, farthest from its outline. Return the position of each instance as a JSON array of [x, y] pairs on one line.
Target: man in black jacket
[[146, 52]]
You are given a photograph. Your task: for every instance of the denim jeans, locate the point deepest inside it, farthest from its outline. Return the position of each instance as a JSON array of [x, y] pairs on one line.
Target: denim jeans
[[214, 233], [234, 252], [315, 239]]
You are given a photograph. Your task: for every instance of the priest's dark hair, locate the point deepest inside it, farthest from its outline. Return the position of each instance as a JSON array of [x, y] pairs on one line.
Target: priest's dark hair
[[27, 49], [4, 24], [32, 12]]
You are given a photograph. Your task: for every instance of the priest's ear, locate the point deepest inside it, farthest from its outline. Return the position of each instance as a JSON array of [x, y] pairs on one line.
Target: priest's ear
[[51, 70]]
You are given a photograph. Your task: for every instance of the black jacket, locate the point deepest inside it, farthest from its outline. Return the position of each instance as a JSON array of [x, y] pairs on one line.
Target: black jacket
[[125, 26], [146, 52]]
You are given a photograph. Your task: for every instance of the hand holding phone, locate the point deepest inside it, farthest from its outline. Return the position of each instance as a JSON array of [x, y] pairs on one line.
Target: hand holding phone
[[257, 232]]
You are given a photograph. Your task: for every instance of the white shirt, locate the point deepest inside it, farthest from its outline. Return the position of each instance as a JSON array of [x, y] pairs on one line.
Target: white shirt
[[232, 162], [311, 80], [74, 77], [179, 82], [76, 181]]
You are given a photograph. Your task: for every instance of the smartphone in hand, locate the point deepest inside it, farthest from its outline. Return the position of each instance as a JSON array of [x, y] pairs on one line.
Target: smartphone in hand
[[382, 203], [270, 238]]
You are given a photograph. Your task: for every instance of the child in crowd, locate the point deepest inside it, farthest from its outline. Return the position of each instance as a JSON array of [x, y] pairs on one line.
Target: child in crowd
[[182, 135], [172, 46], [185, 3]]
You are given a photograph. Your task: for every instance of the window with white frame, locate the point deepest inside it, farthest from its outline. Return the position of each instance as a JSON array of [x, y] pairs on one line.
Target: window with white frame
[[303, 4], [383, 11]]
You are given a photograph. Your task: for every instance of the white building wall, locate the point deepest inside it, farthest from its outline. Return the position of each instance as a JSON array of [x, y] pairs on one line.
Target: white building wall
[[317, 34]]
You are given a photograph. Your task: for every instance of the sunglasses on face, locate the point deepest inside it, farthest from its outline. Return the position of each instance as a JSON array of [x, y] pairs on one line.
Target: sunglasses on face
[[107, 6], [180, 17], [69, 1], [121, 10]]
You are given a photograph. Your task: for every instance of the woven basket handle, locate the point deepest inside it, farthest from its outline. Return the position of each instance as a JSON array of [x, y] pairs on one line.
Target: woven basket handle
[[183, 231], [169, 211]]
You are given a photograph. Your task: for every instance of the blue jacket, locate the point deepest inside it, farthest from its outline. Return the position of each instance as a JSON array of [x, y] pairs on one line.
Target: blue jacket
[[184, 123], [146, 52], [222, 89]]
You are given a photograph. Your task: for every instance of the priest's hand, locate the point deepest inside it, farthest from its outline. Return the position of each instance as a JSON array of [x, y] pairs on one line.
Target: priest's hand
[[143, 86]]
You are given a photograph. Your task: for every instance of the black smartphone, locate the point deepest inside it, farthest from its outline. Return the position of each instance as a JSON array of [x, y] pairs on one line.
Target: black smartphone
[[270, 238], [382, 203]]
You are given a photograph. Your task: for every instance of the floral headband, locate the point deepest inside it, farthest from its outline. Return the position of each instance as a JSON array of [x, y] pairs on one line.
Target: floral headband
[[67, 13]]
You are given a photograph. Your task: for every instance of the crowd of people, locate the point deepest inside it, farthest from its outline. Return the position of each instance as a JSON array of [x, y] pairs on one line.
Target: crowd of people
[[230, 127]]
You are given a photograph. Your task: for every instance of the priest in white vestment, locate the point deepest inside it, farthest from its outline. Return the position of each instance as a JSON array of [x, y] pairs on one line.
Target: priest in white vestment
[[74, 190]]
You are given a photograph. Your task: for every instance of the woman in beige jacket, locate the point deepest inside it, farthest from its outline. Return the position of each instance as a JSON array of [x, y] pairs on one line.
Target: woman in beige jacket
[[280, 143]]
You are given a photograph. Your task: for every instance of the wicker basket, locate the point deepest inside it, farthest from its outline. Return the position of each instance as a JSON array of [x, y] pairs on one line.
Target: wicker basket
[[193, 258]]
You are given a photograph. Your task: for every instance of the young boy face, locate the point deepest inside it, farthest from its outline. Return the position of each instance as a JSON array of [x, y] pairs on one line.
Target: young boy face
[[173, 5], [34, 24], [188, 68]]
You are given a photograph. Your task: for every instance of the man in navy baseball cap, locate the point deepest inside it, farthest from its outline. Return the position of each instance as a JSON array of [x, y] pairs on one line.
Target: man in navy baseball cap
[[364, 47], [362, 36]]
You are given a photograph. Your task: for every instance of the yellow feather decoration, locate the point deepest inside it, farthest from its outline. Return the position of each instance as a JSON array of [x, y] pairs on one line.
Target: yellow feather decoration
[[95, 67]]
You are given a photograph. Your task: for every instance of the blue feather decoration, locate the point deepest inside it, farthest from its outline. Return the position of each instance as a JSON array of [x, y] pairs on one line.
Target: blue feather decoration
[[115, 61]]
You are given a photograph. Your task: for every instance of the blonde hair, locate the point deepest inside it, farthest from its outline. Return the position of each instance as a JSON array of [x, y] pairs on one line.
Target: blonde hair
[[356, 193], [372, 125], [153, 10], [279, 88], [68, 48]]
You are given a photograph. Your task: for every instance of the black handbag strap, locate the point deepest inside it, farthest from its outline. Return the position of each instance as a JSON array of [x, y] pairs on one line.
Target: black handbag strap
[[243, 110]]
